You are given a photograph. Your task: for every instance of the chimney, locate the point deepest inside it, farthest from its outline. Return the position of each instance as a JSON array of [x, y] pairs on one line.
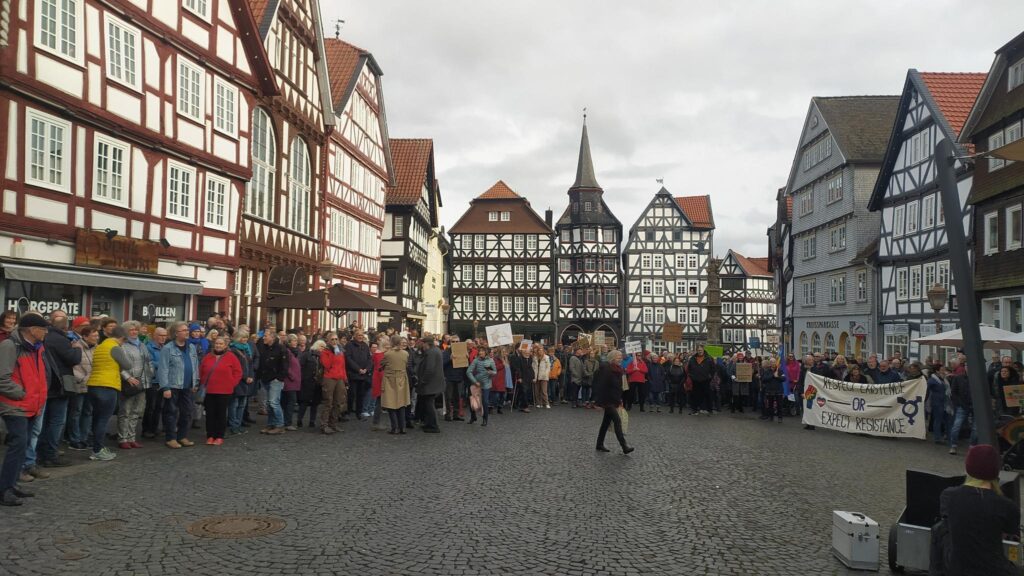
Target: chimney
[[548, 217]]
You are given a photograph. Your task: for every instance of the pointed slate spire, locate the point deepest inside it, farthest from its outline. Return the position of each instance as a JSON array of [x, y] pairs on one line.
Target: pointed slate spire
[[585, 169]]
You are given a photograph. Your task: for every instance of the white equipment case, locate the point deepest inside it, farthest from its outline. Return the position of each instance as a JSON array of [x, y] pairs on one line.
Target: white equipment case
[[855, 540]]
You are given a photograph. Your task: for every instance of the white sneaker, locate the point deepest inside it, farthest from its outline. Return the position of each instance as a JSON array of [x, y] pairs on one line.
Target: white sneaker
[[104, 455], [548, 406], [952, 450]]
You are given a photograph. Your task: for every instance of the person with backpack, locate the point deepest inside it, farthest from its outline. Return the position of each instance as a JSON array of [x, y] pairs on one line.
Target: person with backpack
[[480, 373]]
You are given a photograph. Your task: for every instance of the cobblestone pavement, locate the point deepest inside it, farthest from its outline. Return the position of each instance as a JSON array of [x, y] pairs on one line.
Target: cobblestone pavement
[[526, 495]]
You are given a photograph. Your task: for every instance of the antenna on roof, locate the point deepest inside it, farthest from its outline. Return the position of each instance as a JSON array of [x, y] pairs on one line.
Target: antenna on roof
[[337, 28], [584, 115]]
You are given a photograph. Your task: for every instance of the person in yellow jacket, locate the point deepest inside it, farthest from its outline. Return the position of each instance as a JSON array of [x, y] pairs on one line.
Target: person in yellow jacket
[[104, 388]]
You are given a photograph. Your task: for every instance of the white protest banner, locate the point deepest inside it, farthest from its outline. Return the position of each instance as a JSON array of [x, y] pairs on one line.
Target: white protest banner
[[499, 335], [633, 347], [895, 409]]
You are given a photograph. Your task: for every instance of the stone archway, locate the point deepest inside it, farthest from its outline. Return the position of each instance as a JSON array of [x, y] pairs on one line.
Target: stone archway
[[609, 332], [569, 334]]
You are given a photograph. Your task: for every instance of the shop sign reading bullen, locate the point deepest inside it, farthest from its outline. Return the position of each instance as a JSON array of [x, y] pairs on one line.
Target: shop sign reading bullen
[[117, 253]]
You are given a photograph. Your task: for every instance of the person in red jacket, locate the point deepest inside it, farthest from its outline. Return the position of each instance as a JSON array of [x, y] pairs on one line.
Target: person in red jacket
[[636, 373], [335, 386], [23, 385], [219, 372]]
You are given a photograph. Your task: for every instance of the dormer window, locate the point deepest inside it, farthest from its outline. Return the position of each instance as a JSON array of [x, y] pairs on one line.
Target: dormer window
[[588, 206], [1015, 75], [506, 216], [492, 216]]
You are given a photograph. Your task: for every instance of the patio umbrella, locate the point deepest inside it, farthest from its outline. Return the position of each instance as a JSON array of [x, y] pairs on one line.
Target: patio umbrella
[[992, 338], [341, 298]]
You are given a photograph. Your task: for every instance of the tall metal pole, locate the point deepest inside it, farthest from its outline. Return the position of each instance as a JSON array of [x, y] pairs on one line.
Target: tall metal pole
[[960, 266]]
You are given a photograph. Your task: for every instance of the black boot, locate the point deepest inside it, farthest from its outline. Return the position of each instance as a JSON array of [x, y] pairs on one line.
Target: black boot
[[22, 493], [8, 498], [627, 449], [602, 449]]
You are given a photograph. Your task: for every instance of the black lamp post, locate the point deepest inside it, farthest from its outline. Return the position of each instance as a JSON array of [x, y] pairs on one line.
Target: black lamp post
[[326, 274]]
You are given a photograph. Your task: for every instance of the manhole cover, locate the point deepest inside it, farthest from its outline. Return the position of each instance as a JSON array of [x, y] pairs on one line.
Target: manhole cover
[[236, 526], [106, 525]]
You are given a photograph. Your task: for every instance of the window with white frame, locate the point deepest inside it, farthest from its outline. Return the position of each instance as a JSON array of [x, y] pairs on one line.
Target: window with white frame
[[646, 287], [565, 297], [180, 192], [810, 289], [691, 261], [492, 304], [398, 226], [681, 288], [928, 274], [1011, 134], [816, 342], [531, 273], [837, 289], [648, 314], [921, 146], [726, 307], [123, 48], [260, 195], [1015, 75], [531, 305], [58, 26], [915, 283], [520, 304], [506, 216], [830, 343], [225, 107], [191, 87], [899, 220], [49, 152], [737, 308], [479, 242], [467, 274], [692, 287], [942, 273], [492, 216], [588, 206], [217, 199], [659, 315], [481, 304], [564, 265], [645, 261], [835, 189], [198, 7], [862, 285], [912, 217], [517, 241], [806, 202], [298, 186], [810, 246], [479, 273], [902, 291], [518, 273], [680, 261], [611, 297], [590, 234], [995, 141], [659, 261], [1014, 227], [659, 287], [817, 152], [566, 236], [837, 238], [991, 233], [928, 212], [694, 316], [531, 241], [111, 176], [896, 343]]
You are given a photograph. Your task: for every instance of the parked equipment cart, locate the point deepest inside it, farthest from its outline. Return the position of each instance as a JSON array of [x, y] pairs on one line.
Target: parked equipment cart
[[910, 537]]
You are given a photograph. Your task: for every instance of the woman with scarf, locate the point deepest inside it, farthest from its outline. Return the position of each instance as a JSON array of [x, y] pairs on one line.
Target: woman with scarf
[[219, 373], [1006, 376], [292, 383], [608, 396], [676, 377], [246, 385], [135, 380]]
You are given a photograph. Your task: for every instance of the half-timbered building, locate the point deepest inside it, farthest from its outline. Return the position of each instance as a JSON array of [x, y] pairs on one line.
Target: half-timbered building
[[912, 252], [748, 304], [502, 267], [589, 278], [282, 223], [410, 218], [997, 194], [840, 151], [666, 266], [359, 171], [125, 153]]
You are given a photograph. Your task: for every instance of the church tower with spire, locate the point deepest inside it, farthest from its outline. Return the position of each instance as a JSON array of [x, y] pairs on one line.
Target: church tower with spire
[[589, 273]]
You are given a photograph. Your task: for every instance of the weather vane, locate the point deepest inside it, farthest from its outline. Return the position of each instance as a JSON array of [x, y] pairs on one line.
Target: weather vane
[[660, 180], [337, 28], [584, 115]]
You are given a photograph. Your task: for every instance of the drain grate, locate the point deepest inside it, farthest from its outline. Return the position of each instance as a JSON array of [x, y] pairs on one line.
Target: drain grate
[[236, 526]]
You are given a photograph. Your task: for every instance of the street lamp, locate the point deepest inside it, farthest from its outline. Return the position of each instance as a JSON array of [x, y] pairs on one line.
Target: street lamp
[[937, 296], [326, 274]]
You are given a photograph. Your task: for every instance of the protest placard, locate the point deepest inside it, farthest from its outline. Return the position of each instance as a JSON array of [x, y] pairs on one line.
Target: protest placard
[[598, 336], [499, 335], [672, 332], [525, 344], [894, 409], [744, 372], [1013, 395], [517, 338], [460, 355], [633, 347]]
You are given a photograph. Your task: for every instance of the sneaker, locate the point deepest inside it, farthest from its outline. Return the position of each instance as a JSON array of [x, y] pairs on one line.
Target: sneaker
[[548, 406], [186, 442], [58, 462], [78, 446], [290, 428], [136, 445], [695, 413], [365, 415], [104, 455], [21, 493], [953, 450], [218, 441], [172, 444], [275, 431], [37, 473], [8, 498], [125, 446], [26, 477], [209, 441]]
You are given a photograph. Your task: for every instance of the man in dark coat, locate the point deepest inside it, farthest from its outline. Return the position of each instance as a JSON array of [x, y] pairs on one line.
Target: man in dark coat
[[429, 383], [271, 372], [61, 360], [522, 376], [359, 366], [453, 379], [700, 369]]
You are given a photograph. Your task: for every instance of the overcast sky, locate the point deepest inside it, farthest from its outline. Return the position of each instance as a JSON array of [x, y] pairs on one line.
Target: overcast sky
[[710, 96]]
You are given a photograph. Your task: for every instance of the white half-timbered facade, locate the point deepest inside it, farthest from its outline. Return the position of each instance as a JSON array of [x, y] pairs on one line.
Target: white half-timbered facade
[[666, 267], [589, 277], [282, 224], [748, 304], [912, 251], [131, 119], [502, 267], [359, 172]]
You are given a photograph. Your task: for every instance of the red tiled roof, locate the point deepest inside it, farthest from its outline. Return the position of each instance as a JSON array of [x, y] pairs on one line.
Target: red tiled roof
[[752, 266], [955, 93], [259, 10], [697, 210], [342, 60], [500, 191], [411, 157]]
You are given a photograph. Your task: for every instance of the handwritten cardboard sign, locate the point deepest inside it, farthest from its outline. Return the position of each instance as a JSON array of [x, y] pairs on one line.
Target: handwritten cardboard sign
[[499, 335], [1013, 395], [460, 355], [744, 372], [633, 347], [526, 345], [672, 332]]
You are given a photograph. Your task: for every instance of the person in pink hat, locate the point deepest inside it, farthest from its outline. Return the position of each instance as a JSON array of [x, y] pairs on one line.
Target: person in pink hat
[[978, 517]]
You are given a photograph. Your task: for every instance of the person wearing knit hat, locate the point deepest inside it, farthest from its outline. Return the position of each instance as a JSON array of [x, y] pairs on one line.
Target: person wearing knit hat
[[979, 517], [79, 322]]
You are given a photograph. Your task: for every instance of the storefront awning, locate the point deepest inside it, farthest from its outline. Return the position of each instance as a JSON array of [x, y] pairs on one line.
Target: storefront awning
[[79, 276]]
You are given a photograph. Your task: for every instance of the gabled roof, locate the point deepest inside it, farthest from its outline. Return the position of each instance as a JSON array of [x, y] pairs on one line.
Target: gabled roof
[[975, 120], [500, 198], [263, 12], [413, 160], [585, 166], [751, 266], [500, 191], [343, 67], [248, 26], [697, 210], [860, 125], [949, 97]]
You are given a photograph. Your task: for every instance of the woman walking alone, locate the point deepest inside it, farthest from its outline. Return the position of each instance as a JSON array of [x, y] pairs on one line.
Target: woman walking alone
[[608, 396], [219, 372]]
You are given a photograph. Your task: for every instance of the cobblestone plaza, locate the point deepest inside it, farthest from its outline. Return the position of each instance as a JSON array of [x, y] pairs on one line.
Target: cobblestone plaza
[[526, 495]]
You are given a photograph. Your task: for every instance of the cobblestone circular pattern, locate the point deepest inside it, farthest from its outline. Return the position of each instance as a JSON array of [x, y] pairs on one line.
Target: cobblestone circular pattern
[[236, 526]]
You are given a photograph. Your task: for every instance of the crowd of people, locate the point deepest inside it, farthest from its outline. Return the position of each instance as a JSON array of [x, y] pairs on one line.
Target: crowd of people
[[62, 380]]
